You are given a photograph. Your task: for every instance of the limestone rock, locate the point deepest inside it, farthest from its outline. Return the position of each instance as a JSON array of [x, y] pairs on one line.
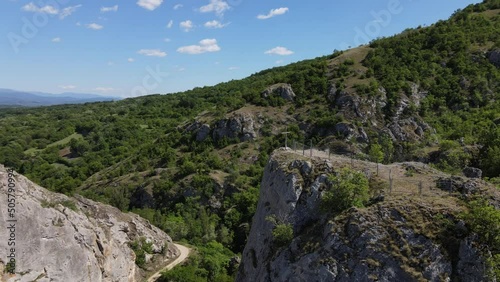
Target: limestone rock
[[472, 172], [239, 126], [59, 238], [282, 90], [494, 57], [203, 133]]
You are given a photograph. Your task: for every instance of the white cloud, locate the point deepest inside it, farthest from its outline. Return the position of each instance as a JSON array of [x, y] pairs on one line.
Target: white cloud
[[233, 68], [282, 51], [149, 4], [94, 26], [170, 24], [216, 6], [68, 11], [109, 9], [215, 24], [51, 10], [67, 87], [178, 6], [280, 62], [31, 7], [130, 60], [273, 13], [78, 24], [56, 39], [152, 52], [167, 40], [110, 63], [206, 45], [187, 25], [104, 89]]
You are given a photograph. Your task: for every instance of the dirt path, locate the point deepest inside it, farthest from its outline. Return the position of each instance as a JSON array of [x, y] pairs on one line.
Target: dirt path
[[182, 257]]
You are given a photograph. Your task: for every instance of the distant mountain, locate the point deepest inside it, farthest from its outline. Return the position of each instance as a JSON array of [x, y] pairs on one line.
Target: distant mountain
[[9, 97]]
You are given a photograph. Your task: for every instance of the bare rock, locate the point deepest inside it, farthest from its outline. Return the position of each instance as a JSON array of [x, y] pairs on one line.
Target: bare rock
[[494, 57], [203, 132], [239, 126], [59, 238], [472, 172], [282, 90]]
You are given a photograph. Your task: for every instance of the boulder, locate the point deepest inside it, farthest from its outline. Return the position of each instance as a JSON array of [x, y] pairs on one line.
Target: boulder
[[239, 126]]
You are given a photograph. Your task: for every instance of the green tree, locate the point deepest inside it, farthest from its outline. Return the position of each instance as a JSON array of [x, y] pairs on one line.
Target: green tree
[[349, 188]]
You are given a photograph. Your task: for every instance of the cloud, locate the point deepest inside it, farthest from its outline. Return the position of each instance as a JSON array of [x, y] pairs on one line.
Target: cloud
[[51, 10], [67, 87], [104, 89], [206, 45], [94, 26], [56, 39], [68, 11], [280, 62], [215, 24], [109, 9], [149, 4], [216, 6], [110, 63], [282, 51], [273, 13], [178, 6], [152, 52], [167, 40], [130, 60], [31, 7], [233, 68], [170, 24], [187, 25]]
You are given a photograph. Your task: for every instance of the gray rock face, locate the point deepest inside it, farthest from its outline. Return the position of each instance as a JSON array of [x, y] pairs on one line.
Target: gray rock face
[[494, 57], [472, 172], [370, 244], [471, 267], [203, 133], [282, 90], [238, 126], [83, 241]]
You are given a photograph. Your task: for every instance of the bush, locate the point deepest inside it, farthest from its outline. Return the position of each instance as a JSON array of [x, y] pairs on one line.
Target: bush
[[349, 189], [282, 235]]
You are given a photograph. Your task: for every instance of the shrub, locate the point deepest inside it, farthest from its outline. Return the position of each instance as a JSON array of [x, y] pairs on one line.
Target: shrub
[[349, 189], [282, 235]]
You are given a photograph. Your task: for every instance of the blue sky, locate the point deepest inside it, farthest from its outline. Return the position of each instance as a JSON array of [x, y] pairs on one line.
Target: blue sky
[[132, 48]]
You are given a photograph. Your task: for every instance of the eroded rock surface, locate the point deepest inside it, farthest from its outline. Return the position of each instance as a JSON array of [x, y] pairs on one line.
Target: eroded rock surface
[[59, 238]]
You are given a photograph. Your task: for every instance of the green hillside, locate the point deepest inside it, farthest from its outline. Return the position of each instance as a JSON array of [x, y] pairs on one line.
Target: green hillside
[[430, 94]]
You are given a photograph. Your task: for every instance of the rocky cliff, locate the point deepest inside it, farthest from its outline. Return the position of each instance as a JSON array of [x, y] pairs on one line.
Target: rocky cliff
[[400, 238], [58, 238]]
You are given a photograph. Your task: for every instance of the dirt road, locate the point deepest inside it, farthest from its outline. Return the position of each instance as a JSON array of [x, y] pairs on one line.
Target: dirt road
[[182, 257]]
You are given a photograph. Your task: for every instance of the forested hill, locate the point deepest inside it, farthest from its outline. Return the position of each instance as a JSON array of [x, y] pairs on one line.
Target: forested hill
[[192, 162]]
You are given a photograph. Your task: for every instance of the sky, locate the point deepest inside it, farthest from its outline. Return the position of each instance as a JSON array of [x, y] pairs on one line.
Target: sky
[[139, 47]]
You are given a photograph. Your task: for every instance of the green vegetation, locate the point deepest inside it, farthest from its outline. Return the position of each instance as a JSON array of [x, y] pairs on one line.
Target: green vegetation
[[141, 247], [206, 192], [282, 235], [484, 220], [348, 189]]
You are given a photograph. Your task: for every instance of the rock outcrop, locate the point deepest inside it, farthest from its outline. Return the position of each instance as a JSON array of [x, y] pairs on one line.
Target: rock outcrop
[[282, 90], [238, 126], [58, 238], [383, 242], [494, 57]]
